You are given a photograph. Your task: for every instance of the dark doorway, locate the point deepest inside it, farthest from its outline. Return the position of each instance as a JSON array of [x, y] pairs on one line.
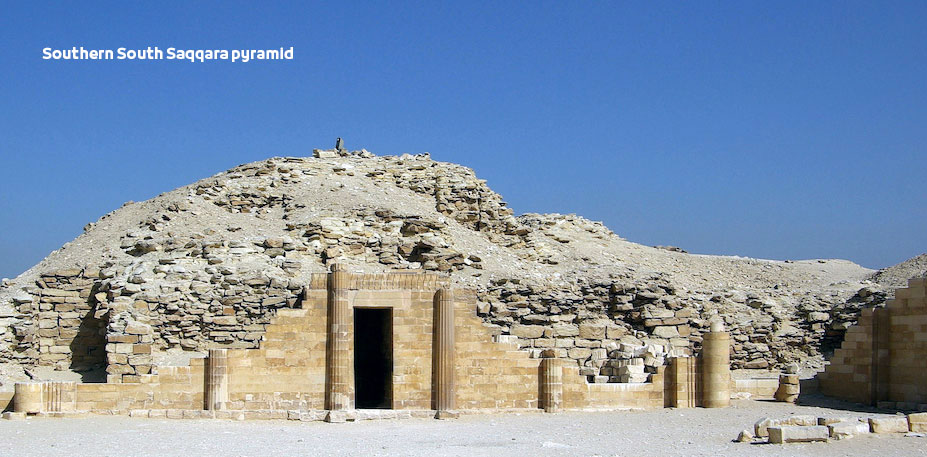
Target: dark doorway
[[373, 357]]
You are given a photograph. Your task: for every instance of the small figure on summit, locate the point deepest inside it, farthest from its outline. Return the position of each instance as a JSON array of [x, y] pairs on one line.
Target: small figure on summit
[[339, 144]]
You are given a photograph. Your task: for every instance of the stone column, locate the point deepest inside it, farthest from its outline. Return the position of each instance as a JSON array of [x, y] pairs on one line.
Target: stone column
[[551, 382], [789, 388], [217, 380], [339, 382], [27, 397], [443, 354], [716, 367]]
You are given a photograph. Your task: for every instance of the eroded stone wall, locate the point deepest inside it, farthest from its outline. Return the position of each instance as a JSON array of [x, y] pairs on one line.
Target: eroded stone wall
[[287, 372], [90, 319]]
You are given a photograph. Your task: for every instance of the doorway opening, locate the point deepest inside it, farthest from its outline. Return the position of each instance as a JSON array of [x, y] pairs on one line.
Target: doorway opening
[[373, 358]]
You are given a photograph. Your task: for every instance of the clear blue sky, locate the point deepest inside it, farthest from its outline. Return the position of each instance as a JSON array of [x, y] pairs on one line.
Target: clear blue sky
[[763, 129]]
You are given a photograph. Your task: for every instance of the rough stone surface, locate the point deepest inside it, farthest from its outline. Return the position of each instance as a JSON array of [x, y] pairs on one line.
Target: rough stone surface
[[847, 429], [917, 422], [797, 434], [898, 424], [210, 263]]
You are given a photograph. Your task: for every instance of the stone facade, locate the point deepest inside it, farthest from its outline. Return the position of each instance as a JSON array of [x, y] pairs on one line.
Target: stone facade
[[881, 361], [442, 357], [89, 319]]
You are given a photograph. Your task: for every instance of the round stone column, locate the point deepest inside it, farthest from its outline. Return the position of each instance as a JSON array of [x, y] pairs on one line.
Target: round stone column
[[339, 384], [443, 354], [27, 397], [716, 367], [217, 380], [551, 382]]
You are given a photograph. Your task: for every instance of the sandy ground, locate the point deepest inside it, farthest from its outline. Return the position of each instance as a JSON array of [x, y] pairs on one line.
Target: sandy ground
[[665, 432]]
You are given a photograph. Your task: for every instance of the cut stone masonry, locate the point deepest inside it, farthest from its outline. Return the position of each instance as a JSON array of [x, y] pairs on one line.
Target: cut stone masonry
[[443, 359]]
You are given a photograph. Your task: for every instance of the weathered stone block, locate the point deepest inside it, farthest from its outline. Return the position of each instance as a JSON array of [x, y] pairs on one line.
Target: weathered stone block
[[917, 422], [527, 331], [802, 420], [562, 329], [797, 434], [761, 427], [897, 424], [592, 331], [847, 429], [13, 416], [135, 328], [665, 331]]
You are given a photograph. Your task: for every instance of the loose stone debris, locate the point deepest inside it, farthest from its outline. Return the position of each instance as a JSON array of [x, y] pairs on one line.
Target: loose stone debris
[[801, 429]]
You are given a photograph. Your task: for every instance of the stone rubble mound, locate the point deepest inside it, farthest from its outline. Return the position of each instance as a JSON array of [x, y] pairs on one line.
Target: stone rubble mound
[[209, 263]]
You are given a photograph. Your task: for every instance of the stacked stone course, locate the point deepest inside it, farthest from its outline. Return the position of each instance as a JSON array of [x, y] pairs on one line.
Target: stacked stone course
[[881, 362]]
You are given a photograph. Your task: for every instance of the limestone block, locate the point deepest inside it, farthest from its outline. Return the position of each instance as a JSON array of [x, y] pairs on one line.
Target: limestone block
[[592, 331], [336, 417], [13, 416], [324, 154], [761, 427], [847, 429], [563, 329], [897, 424], [135, 328], [917, 422], [527, 331], [579, 353], [665, 331], [797, 434], [802, 420]]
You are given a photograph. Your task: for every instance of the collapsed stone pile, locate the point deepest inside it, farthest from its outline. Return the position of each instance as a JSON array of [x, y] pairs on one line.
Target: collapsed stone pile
[[210, 263], [805, 429]]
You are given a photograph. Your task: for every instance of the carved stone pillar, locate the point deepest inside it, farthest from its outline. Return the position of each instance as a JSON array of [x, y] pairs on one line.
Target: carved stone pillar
[[551, 382], [443, 354], [339, 383], [59, 396], [217, 380], [27, 397], [716, 368]]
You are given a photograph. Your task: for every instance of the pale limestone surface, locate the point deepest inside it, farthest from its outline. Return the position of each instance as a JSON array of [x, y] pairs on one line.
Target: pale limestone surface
[[283, 218], [664, 432]]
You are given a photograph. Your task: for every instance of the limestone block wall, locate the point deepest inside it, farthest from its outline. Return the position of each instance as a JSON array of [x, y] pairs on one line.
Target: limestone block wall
[[579, 394], [288, 371], [758, 389], [176, 388], [492, 375], [882, 358]]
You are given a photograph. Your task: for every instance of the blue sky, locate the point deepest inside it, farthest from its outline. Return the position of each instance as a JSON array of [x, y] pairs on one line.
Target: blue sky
[[764, 129]]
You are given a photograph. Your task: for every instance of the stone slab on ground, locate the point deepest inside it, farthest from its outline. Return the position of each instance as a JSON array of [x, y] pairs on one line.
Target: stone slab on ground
[[798, 434], [897, 424], [848, 429], [917, 422]]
